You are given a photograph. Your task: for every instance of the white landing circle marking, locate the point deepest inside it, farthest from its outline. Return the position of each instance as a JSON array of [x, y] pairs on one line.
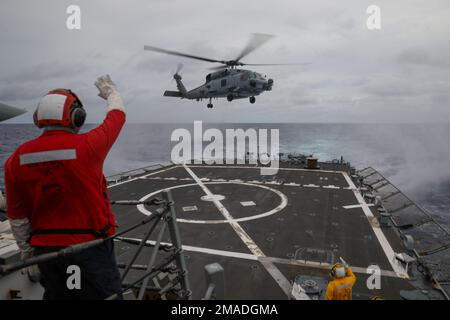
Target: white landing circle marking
[[214, 197], [281, 206]]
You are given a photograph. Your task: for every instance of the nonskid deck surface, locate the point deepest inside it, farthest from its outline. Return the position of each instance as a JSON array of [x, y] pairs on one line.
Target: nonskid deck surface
[[265, 230]]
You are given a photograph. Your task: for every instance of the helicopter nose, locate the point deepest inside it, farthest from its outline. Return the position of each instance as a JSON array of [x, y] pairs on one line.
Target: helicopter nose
[[268, 85]]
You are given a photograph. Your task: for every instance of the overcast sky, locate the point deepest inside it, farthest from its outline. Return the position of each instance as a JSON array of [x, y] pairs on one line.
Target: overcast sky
[[400, 73]]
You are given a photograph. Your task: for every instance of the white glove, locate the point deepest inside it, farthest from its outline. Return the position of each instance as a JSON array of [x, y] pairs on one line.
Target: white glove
[[344, 262], [105, 86], [21, 229], [108, 91], [33, 272]]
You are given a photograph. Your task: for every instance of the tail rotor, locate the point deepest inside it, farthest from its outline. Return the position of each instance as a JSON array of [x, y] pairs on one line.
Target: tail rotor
[[176, 75]]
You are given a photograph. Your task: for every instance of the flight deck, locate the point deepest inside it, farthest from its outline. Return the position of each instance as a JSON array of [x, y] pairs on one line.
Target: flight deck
[[267, 230]]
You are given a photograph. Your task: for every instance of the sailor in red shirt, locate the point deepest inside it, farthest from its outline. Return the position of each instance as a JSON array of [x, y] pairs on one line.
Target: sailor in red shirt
[[57, 194]]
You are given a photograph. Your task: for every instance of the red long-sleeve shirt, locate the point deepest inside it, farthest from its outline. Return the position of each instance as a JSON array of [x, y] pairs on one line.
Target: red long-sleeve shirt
[[57, 182]]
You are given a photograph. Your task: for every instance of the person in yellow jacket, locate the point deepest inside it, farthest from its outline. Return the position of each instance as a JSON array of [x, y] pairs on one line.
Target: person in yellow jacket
[[340, 287]]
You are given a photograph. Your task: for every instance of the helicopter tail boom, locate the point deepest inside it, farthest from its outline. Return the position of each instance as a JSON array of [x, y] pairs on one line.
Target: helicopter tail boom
[[181, 93], [180, 86]]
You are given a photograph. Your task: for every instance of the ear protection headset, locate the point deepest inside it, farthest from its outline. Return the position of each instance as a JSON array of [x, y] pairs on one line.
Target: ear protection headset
[[73, 113], [336, 270], [77, 112]]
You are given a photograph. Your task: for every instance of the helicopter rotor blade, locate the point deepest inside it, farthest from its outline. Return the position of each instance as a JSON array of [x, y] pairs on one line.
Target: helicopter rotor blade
[[180, 54], [257, 40], [262, 64], [179, 67], [276, 64], [217, 68]]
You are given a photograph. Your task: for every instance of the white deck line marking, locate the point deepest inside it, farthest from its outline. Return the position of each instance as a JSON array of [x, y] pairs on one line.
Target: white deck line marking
[[232, 254], [189, 208], [331, 187], [390, 254], [325, 266], [281, 206], [249, 256], [352, 206], [143, 176], [311, 185], [258, 168], [251, 245], [248, 203], [293, 184], [208, 166]]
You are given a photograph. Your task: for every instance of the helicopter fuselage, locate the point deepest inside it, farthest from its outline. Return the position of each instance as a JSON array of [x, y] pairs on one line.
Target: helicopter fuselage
[[229, 83]]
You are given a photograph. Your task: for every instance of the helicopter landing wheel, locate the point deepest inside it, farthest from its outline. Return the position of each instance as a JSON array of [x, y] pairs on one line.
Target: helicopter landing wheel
[[209, 105], [252, 100], [230, 97]]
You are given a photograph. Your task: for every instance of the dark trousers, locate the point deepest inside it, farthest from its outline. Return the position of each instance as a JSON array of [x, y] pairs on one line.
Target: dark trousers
[[100, 276]]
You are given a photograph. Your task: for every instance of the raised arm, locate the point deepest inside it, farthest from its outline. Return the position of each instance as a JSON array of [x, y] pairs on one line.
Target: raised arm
[[351, 275], [101, 139]]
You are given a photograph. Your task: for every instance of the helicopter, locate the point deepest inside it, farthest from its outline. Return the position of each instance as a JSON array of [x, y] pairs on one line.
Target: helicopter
[[228, 80]]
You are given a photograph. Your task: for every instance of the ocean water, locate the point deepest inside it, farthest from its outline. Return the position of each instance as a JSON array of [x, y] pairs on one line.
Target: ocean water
[[414, 157]]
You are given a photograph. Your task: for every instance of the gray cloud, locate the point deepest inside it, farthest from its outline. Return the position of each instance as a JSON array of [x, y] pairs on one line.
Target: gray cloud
[[422, 57], [355, 74]]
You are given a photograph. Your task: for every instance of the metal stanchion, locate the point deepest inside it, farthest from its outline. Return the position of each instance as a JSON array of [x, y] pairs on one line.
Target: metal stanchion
[[176, 241]]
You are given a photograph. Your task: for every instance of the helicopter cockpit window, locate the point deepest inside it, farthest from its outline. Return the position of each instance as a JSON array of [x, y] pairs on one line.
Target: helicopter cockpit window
[[244, 77]]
